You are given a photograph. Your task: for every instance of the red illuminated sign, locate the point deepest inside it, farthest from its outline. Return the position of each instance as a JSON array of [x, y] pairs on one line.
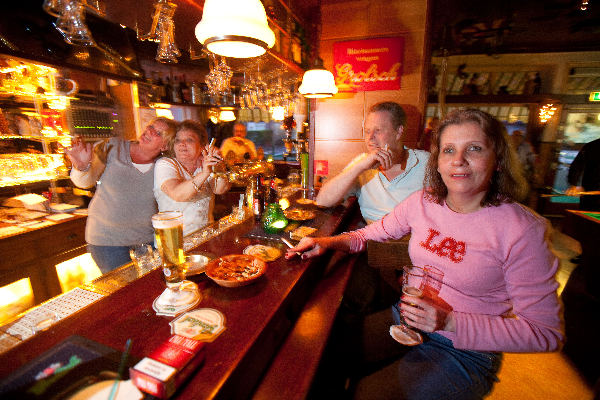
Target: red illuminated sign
[[321, 167], [370, 64]]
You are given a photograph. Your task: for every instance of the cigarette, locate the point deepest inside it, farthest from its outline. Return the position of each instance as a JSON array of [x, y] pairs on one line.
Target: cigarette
[[385, 147], [212, 141], [298, 253]]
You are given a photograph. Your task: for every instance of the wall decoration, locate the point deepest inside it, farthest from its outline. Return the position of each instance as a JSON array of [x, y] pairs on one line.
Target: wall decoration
[[370, 64]]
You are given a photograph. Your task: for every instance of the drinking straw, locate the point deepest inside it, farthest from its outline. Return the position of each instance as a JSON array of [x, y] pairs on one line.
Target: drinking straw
[[124, 356]]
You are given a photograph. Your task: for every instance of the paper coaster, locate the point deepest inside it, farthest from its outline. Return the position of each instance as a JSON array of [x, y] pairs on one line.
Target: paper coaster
[[203, 324], [168, 305]]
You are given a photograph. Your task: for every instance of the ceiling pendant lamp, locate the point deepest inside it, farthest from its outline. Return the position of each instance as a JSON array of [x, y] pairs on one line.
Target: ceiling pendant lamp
[[235, 28], [318, 83], [226, 114]]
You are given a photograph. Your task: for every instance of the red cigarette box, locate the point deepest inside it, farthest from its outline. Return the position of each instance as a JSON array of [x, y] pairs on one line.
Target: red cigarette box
[[163, 371]]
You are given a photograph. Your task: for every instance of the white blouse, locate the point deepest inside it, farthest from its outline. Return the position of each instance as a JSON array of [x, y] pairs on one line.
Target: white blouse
[[197, 212]]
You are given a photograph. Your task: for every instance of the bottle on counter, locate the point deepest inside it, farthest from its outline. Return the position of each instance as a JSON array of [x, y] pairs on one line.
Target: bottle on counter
[[258, 198], [304, 167], [186, 96], [160, 88], [168, 91], [271, 193], [196, 93], [176, 91]]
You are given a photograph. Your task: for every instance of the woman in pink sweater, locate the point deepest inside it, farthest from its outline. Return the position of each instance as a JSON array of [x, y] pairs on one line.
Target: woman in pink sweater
[[498, 290]]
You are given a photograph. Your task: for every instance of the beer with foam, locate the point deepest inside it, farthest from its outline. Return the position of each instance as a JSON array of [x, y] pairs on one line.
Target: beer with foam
[[168, 233]]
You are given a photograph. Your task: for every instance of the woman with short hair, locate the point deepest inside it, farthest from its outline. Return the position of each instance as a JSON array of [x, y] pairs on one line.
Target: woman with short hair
[[119, 215], [184, 182]]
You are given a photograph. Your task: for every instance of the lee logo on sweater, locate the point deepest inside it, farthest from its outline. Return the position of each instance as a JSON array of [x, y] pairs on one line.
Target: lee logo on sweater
[[446, 247]]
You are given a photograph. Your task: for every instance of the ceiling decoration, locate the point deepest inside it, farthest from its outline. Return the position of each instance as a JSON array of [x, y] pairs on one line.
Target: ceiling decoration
[[513, 26]]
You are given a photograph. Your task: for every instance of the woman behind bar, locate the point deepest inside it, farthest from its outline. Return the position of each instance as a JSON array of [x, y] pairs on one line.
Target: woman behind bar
[[184, 183], [119, 215], [498, 289]]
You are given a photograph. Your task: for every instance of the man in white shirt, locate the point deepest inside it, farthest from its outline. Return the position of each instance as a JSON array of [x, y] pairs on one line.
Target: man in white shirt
[[242, 149], [384, 176]]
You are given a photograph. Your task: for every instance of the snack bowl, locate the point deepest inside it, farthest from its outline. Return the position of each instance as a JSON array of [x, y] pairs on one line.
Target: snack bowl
[[196, 263], [235, 270], [299, 214]]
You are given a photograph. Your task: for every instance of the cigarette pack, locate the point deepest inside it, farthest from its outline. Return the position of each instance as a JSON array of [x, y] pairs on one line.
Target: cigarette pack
[[163, 371]]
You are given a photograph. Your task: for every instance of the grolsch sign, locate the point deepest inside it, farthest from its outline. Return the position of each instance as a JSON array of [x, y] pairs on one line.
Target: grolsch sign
[[370, 64]]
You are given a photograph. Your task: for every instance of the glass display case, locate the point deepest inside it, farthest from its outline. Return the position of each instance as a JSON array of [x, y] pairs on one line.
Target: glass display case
[[32, 130]]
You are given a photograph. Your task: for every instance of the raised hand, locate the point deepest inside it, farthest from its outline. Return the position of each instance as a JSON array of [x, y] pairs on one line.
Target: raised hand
[[381, 157], [210, 156], [308, 247], [80, 153], [384, 157]]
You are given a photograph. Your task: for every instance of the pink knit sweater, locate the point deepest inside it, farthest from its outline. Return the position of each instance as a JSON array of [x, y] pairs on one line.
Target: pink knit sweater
[[498, 270]]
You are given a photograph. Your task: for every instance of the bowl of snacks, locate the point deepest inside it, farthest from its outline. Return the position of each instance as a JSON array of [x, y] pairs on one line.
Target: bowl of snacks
[[235, 270]]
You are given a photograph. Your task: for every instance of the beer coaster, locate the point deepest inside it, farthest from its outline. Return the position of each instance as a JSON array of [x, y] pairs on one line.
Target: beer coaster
[[405, 336], [171, 303], [202, 324], [265, 253]]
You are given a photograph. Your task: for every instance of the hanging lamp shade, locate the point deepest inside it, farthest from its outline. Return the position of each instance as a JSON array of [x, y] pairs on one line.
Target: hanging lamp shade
[[235, 28], [318, 83], [227, 116]]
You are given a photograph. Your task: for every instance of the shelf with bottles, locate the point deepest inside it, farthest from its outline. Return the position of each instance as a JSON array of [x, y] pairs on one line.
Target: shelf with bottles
[[291, 44], [24, 168], [181, 93]]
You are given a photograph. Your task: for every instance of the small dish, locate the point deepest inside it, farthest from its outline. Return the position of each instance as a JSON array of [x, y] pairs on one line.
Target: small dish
[[196, 263], [299, 214], [265, 253], [302, 200], [235, 270]]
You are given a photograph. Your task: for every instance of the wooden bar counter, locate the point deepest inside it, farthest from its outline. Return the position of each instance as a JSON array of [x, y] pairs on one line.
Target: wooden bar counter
[[259, 317], [34, 254]]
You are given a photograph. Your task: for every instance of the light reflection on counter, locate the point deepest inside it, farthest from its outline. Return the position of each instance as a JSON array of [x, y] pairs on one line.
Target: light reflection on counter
[[77, 271], [15, 298]]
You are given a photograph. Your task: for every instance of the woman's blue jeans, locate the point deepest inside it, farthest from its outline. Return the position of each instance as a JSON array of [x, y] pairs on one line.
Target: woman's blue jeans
[[108, 258], [431, 370]]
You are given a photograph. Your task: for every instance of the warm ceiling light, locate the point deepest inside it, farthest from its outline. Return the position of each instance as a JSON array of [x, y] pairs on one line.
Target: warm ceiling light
[[547, 112], [235, 28], [318, 83], [226, 116], [278, 113]]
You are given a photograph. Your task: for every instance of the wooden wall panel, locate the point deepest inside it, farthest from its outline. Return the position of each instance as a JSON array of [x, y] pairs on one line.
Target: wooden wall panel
[[339, 120], [329, 125]]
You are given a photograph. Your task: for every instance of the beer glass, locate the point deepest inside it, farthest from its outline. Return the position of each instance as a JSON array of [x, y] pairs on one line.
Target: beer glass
[[168, 233], [413, 286]]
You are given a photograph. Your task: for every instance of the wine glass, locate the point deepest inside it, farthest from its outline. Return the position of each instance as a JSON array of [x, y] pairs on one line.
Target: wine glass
[[413, 286]]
